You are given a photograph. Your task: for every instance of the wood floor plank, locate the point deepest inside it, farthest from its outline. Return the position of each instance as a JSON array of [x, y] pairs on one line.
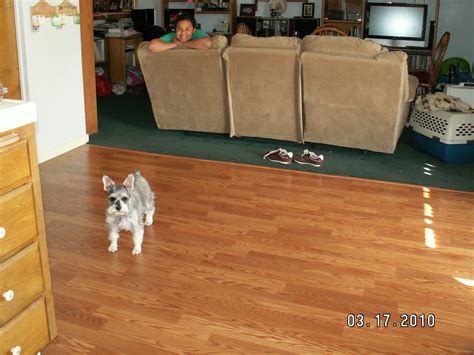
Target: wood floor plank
[[245, 259]]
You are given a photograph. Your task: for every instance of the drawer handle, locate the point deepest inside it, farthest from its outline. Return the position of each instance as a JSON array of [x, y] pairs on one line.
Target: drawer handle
[[16, 350], [3, 232], [8, 295]]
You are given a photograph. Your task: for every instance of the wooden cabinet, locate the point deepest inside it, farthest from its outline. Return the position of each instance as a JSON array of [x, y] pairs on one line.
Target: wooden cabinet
[[273, 26], [346, 14], [112, 9], [418, 58], [116, 49], [278, 26], [27, 320]]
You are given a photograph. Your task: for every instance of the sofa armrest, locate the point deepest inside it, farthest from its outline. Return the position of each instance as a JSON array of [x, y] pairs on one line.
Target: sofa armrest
[[410, 82], [413, 83]]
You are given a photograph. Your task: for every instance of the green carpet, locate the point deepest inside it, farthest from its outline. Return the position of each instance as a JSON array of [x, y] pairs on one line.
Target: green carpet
[[127, 122]]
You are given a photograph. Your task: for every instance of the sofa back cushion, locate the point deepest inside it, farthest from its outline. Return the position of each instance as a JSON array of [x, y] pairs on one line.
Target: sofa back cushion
[[342, 45], [241, 40], [219, 42], [187, 88], [264, 87], [355, 101]]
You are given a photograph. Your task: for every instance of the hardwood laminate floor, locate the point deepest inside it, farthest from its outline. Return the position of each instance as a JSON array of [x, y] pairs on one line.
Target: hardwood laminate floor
[[249, 259]]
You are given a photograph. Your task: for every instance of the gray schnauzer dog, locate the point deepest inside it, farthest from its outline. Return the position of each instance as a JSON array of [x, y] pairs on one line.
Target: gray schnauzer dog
[[128, 203]]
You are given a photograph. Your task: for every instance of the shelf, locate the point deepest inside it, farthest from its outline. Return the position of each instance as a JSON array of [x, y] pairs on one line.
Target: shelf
[[110, 15], [303, 26], [426, 51], [349, 22], [212, 12]]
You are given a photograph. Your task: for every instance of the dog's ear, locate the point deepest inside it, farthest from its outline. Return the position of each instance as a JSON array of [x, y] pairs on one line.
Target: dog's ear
[[108, 182], [129, 182]]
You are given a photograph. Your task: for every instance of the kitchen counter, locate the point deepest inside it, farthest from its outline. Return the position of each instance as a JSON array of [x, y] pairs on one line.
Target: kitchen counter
[[16, 113]]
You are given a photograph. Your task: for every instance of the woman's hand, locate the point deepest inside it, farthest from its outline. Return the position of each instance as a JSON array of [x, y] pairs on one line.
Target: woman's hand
[[157, 45], [177, 42]]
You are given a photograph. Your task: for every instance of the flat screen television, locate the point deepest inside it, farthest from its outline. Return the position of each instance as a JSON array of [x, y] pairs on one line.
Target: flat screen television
[[396, 24]]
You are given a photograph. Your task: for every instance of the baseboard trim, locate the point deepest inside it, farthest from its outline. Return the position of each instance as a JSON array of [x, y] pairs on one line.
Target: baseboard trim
[[63, 148]]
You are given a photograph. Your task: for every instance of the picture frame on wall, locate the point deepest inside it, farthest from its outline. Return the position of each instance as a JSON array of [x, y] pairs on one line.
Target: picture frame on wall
[[247, 10], [308, 10]]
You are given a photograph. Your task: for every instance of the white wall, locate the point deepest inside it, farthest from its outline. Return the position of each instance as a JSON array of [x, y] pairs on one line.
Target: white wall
[[51, 75], [457, 17]]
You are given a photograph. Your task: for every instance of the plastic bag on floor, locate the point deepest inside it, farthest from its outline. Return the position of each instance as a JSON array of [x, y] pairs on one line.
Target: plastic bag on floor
[[134, 77]]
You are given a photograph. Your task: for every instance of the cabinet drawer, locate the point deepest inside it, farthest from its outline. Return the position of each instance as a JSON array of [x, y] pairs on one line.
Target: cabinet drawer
[[29, 330], [17, 219], [14, 164], [21, 282]]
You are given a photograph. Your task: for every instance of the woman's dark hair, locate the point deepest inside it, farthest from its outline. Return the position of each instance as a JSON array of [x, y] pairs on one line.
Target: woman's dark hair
[[186, 17]]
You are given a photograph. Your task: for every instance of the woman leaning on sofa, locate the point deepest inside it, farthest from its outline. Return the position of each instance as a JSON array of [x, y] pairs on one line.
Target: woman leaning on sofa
[[186, 35]]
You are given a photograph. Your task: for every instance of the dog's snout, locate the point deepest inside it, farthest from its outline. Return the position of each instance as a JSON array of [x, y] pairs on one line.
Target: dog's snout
[[117, 206]]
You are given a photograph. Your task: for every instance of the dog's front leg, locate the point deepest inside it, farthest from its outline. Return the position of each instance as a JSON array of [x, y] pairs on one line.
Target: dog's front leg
[[149, 216], [137, 239], [113, 237]]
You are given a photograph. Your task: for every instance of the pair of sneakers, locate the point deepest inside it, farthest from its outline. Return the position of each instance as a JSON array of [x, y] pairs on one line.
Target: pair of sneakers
[[281, 156]]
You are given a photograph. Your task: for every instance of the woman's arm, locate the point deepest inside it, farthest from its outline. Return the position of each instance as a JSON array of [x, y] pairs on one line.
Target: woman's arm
[[157, 45], [201, 43]]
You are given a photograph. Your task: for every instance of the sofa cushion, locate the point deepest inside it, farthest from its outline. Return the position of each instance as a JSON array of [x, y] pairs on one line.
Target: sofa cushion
[[182, 97], [218, 42], [400, 58], [241, 40], [342, 45], [394, 56]]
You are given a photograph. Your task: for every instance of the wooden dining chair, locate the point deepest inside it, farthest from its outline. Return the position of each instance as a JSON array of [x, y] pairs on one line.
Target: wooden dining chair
[[329, 30], [429, 78], [243, 29]]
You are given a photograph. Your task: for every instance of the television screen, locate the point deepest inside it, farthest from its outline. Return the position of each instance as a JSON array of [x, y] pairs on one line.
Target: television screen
[[396, 21]]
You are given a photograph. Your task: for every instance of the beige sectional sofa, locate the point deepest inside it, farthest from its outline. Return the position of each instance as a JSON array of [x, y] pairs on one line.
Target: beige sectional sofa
[[187, 87], [341, 91], [264, 87], [356, 93]]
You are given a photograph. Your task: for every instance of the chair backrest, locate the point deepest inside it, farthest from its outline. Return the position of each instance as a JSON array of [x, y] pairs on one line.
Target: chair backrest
[[437, 59], [329, 30], [243, 29]]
